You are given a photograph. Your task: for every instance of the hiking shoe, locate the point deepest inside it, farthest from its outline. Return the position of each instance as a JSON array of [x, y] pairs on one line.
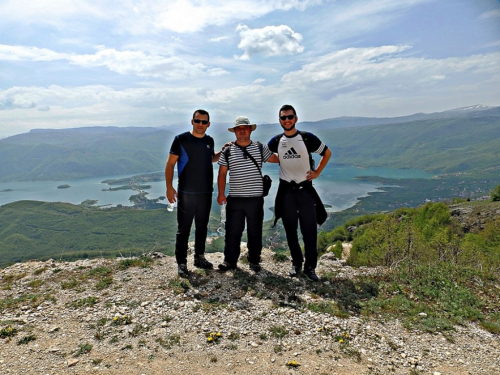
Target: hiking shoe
[[225, 266], [295, 271], [255, 267], [311, 274], [201, 262], [182, 270]]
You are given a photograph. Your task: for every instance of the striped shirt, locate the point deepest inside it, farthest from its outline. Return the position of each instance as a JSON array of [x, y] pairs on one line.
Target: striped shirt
[[245, 180]]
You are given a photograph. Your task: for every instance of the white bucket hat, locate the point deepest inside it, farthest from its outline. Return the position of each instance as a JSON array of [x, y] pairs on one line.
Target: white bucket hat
[[241, 121]]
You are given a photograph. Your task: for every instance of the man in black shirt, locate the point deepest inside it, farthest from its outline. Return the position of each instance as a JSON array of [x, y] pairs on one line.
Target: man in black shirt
[[193, 152]]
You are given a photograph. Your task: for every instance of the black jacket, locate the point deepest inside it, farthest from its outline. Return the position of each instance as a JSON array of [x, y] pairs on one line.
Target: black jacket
[[279, 203]]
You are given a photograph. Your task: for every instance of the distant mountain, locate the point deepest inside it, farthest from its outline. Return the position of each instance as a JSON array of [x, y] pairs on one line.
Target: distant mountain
[[82, 152], [447, 142], [457, 140]]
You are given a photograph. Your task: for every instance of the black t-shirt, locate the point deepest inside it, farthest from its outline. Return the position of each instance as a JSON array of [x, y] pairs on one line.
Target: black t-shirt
[[194, 166]]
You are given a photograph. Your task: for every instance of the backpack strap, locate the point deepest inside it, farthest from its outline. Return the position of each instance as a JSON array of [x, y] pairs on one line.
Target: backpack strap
[[227, 153]]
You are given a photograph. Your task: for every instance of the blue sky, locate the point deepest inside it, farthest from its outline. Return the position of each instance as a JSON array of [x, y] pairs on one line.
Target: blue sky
[[152, 63]]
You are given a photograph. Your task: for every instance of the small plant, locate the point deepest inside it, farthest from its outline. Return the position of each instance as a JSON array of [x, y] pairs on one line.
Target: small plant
[[343, 338], [169, 341], [292, 364], [104, 283], [83, 349], [233, 336], [35, 284], [278, 331], [39, 271], [280, 256], [26, 339], [121, 320], [263, 336], [278, 349], [96, 361], [352, 353], [8, 332], [99, 272], [213, 359], [100, 334], [70, 284], [213, 337], [127, 347], [114, 340], [495, 194], [87, 301], [143, 262], [138, 329], [179, 285]]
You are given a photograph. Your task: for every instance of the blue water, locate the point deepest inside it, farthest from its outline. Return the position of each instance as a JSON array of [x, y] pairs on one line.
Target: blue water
[[336, 186]]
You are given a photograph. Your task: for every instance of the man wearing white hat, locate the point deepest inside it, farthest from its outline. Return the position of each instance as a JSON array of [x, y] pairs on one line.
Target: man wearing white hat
[[245, 202]]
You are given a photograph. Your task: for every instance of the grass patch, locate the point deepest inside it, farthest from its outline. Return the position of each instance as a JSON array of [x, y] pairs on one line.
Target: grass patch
[[278, 331], [83, 349], [87, 301], [26, 339], [144, 262], [169, 341]]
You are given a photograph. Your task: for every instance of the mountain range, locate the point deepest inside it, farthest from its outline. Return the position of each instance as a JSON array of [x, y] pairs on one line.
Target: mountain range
[[460, 140]]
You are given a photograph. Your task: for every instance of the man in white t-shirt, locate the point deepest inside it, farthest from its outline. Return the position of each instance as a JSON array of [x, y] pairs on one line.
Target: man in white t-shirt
[[245, 202], [297, 202]]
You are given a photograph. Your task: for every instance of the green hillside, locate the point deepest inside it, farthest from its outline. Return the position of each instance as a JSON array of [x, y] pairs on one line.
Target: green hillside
[[39, 230], [83, 152], [441, 146]]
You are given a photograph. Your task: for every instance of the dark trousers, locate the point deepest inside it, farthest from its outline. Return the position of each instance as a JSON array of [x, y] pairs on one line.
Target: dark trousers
[[191, 207], [237, 210], [300, 208]]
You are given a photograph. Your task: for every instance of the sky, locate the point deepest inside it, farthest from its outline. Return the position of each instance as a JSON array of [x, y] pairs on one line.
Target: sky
[[66, 64]]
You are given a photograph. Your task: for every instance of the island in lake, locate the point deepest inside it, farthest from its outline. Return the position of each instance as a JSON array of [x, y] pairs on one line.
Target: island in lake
[[65, 186]]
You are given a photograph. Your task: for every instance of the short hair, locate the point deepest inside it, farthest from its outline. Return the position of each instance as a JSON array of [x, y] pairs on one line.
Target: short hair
[[287, 107], [201, 112]]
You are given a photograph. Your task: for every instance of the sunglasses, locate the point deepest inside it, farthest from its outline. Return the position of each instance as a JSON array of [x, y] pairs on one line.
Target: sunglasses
[[204, 122], [289, 117]]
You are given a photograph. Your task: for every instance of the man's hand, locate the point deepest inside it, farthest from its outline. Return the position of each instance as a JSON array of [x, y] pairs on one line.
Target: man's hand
[[221, 199], [311, 175], [171, 195]]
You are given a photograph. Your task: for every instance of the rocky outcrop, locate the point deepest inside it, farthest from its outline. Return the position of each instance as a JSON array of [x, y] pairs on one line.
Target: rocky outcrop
[[136, 316], [472, 216]]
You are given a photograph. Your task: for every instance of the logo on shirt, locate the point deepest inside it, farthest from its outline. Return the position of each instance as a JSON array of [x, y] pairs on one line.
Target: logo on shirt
[[291, 154]]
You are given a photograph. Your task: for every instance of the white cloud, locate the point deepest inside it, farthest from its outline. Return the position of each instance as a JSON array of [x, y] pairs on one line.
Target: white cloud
[[47, 11], [269, 41], [135, 63], [218, 39], [19, 53], [183, 16], [383, 71], [491, 14]]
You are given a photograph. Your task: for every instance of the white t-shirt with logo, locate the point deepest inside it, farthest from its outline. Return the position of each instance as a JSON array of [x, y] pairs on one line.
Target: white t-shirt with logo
[[295, 154]]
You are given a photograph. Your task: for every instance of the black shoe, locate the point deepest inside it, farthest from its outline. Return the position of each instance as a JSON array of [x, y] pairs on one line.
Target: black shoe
[[201, 262], [311, 274], [182, 270], [225, 266], [255, 267], [295, 271]]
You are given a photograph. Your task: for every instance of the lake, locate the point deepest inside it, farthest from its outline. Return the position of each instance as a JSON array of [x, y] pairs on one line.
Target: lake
[[337, 187]]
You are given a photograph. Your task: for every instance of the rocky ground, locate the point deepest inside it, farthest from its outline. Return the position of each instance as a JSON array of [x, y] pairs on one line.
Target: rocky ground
[[117, 317]]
